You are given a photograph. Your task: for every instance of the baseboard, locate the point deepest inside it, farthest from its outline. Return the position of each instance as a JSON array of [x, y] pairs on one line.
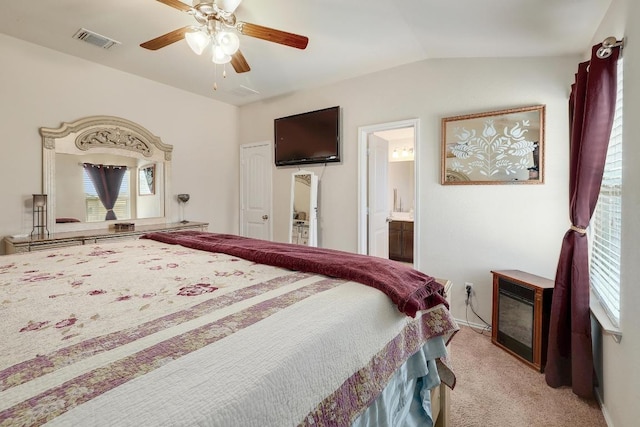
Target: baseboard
[[605, 413], [471, 324]]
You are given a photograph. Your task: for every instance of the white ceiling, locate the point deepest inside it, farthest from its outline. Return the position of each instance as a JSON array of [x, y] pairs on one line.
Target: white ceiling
[[346, 38]]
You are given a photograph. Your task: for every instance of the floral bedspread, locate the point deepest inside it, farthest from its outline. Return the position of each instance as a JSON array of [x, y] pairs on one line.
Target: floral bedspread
[[144, 333]]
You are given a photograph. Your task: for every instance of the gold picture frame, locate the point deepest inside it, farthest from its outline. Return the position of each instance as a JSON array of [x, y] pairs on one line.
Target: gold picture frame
[[496, 147]]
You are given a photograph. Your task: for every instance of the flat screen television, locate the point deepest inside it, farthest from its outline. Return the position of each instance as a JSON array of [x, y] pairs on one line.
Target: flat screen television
[[312, 137]]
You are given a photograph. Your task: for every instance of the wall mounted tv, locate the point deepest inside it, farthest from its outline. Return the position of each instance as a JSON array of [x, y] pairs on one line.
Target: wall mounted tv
[[312, 137]]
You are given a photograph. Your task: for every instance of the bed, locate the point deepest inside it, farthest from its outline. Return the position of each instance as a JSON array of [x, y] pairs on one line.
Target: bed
[[178, 329]]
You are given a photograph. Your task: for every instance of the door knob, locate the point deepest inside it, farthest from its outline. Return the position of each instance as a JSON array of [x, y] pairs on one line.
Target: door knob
[[265, 217]]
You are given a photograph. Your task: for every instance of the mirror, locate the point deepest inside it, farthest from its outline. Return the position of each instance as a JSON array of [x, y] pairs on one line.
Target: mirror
[[498, 147], [95, 142], [304, 209]]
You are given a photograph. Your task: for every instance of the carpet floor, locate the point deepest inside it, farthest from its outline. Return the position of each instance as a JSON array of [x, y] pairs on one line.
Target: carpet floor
[[494, 389]]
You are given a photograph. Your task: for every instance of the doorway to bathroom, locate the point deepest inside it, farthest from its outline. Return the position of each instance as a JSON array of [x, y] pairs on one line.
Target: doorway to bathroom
[[387, 187]]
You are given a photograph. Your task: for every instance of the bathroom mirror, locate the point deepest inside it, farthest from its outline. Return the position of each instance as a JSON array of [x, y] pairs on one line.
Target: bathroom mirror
[[104, 141], [303, 218]]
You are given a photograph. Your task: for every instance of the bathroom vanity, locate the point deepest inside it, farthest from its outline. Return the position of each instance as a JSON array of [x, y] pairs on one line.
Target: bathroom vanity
[[401, 240]]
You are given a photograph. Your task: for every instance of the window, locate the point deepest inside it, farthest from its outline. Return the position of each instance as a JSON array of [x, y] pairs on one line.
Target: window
[[94, 208], [605, 227]]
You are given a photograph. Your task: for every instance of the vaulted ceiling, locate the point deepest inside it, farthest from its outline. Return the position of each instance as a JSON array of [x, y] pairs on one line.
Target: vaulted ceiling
[[346, 38]]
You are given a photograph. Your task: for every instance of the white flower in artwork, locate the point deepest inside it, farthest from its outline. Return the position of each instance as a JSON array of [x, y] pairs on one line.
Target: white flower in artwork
[[522, 148], [517, 132], [462, 151], [489, 130], [492, 152], [456, 166]]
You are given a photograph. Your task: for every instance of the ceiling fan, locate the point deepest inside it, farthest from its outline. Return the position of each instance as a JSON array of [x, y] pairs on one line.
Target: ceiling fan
[[217, 26]]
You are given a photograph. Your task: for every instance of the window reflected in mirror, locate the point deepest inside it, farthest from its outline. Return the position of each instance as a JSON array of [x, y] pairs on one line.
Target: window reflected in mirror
[[95, 209], [146, 180], [79, 199]]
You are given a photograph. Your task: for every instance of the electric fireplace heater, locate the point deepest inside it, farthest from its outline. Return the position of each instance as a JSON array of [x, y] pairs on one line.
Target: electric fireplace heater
[[521, 311]]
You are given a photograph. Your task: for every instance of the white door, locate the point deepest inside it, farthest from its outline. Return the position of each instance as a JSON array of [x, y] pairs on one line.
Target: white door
[[255, 190], [364, 183], [378, 196]]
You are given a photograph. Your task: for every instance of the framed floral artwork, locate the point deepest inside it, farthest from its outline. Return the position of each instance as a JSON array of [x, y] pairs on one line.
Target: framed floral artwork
[[497, 147]]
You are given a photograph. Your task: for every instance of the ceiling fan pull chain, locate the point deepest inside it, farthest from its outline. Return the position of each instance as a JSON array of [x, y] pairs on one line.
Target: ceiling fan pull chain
[[215, 76]]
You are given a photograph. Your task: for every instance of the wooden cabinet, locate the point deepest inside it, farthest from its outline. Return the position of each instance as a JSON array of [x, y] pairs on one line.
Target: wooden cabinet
[[521, 312], [86, 237], [401, 241], [395, 240]]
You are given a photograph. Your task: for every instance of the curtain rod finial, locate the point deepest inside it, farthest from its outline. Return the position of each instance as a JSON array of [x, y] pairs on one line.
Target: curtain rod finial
[[607, 45], [611, 42]]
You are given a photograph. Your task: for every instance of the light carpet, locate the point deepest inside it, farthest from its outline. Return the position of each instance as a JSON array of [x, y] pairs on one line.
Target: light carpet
[[495, 389]]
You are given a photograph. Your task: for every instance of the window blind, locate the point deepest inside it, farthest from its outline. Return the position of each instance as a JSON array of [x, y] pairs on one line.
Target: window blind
[[95, 211], [606, 224]]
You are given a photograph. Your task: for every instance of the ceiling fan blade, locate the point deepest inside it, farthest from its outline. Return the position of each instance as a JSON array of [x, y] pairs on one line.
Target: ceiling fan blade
[[166, 39], [272, 35], [239, 63], [177, 4]]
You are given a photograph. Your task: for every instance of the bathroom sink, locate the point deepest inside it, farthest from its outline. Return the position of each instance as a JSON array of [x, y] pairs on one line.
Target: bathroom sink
[[402, 216]]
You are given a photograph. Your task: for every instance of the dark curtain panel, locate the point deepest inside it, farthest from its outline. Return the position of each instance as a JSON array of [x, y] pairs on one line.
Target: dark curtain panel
[[591, 109], [107, 181]]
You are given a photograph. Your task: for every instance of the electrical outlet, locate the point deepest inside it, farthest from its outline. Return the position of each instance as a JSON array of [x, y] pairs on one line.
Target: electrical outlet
[[468, 287]]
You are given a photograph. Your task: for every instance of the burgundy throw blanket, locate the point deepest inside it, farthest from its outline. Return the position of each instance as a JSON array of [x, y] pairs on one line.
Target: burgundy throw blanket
[[409, 289]]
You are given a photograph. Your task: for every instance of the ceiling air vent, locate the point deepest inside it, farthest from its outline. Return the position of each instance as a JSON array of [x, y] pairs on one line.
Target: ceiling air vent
[[94, 38]]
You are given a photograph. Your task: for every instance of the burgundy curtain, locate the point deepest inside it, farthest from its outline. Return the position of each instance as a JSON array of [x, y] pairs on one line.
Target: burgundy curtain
[[107, 181], [591, 109]]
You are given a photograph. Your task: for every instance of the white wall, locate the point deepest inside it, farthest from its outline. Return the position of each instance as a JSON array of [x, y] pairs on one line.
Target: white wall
[[41, 87], [465, 231], [621, 379], [622, 376]]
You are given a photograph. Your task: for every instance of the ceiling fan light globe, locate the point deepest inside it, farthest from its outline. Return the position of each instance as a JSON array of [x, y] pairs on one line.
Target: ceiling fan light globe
[[228, 6], [197, 41], [219, 56], [228, 41]]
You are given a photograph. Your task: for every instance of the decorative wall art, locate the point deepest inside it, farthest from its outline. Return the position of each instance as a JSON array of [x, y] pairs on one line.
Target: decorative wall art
[[497, 147], [147, 180]]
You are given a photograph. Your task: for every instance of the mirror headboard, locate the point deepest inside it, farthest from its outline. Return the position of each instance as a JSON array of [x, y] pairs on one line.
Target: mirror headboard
[[105, 137]]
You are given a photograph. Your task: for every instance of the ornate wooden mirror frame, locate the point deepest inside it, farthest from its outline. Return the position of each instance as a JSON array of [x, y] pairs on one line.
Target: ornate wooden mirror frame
[[103, 134]]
